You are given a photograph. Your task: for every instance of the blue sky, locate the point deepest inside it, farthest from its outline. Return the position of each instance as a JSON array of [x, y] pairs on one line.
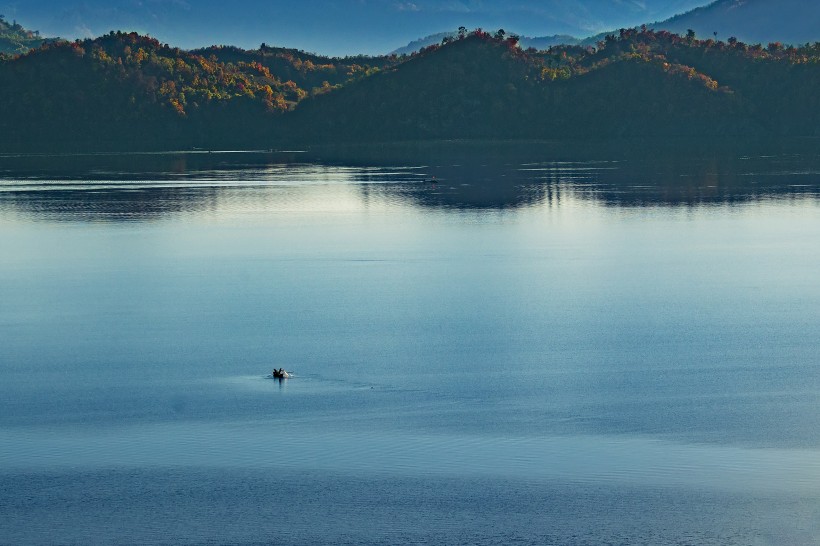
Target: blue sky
[[335, 28]]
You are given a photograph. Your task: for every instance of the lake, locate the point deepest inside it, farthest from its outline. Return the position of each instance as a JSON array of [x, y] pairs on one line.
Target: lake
[[487, 347]]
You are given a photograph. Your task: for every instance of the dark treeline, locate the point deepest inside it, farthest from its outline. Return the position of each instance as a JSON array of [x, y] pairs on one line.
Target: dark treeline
[[124, 91], [310, 72]]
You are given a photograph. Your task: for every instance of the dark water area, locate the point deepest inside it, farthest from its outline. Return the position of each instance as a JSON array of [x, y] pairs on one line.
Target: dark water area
[[241, 507], [489, 346]]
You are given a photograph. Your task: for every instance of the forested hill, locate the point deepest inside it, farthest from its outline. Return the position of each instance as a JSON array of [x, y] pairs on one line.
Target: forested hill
[[126, 91], [15, 39], [639, 83], [129, 91]]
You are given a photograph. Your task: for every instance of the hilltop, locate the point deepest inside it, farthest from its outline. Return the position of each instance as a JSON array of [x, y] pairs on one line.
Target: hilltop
[[14, 39], [525, 42]]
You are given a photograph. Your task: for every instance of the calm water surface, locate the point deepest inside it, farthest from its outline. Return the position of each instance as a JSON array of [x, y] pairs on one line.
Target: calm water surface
[[486, 350]]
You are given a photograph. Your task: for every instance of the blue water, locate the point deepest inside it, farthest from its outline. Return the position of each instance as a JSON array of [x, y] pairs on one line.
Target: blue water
[[534, 350]]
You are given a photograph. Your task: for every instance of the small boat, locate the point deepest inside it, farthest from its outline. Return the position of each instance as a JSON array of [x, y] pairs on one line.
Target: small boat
[[280, 374]]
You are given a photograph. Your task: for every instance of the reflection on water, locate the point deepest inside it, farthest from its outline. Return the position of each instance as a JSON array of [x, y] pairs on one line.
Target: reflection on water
[[147, 187], [104, 204]]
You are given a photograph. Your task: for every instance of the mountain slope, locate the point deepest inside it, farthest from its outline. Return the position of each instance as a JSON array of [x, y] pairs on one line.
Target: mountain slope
[[470, 88], [752, 21]]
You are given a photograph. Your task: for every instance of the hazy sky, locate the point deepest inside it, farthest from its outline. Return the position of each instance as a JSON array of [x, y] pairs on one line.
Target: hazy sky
[[336, 28]]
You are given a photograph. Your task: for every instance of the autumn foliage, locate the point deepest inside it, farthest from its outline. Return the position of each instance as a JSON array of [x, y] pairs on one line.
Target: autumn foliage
[[127, 91]]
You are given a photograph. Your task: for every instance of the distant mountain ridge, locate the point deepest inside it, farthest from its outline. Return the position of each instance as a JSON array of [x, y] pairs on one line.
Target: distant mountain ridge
[[793, 22], [751, 21], [339, 28]]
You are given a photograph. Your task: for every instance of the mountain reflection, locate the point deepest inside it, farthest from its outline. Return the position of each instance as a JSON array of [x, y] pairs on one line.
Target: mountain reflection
[[616, 184], [151, 187], [465, 186]]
